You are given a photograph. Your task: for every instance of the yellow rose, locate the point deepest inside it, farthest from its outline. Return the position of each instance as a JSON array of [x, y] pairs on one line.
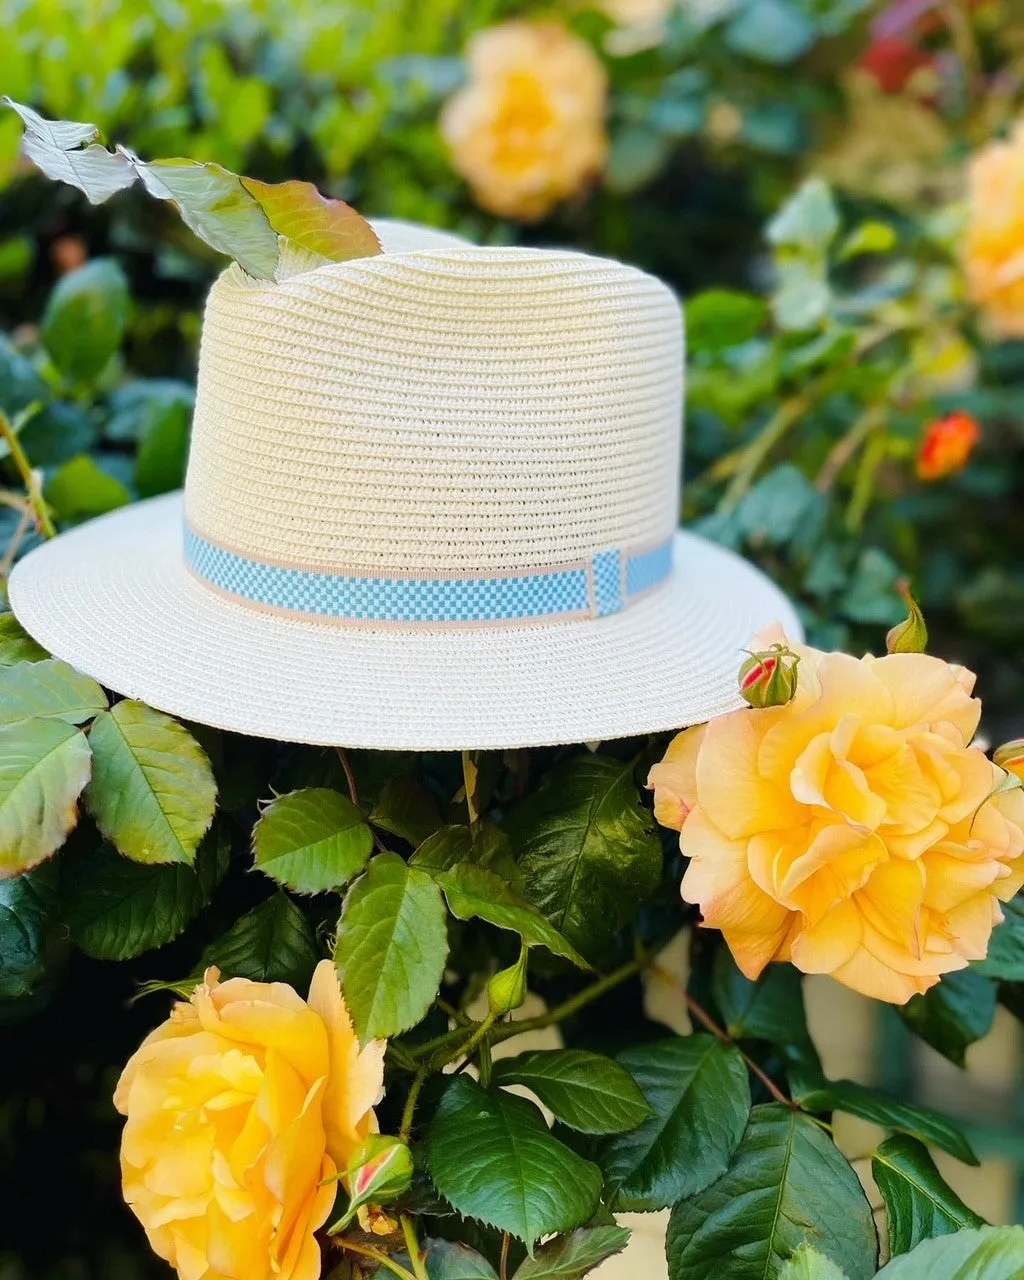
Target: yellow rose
[[994, 245], [238, 1106], [852, 831], [527, 130]]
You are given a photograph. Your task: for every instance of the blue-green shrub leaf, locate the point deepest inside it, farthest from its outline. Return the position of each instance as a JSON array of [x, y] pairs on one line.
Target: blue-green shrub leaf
[[953, 1014], [572, 1256], [26, 907]]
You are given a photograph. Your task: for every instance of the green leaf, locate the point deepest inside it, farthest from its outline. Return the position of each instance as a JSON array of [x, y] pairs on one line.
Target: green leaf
[[116, 909], [492, 1158], [1005, 959], [869, 237], [585, 1090], [699, 1094], [391, 947], [801, 302], [449, 1260], [892, 1113], [770, 31], [772, 1008], [85, 318], [986, 1253], [953, 1014], [49, 690], [808, 221], [483, 845], [79, 490], [311, 841], [330, 229], [163, 449], [152, 793], [44, 764], [719, 318], [809, 1264], [273, 942], [572, 1256], [16, 645], [476, 892], [587, 850], [214, 205], [26, 907], [787, 1185], [918, 1203], [406, 809], [783, 507], [57, 148]]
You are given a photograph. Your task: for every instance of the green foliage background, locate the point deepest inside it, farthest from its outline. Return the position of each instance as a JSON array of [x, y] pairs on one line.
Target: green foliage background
[[822, 295]]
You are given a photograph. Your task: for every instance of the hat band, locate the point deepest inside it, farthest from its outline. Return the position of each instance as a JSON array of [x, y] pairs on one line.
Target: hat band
[[604, 583]]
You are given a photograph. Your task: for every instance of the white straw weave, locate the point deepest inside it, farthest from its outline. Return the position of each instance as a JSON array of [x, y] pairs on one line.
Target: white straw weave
[[437, 409]]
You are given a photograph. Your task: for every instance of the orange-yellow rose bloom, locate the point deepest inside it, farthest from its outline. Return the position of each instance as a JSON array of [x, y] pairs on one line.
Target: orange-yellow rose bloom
[[994, 242], [238, 1106], [852, 831], [527, 130]]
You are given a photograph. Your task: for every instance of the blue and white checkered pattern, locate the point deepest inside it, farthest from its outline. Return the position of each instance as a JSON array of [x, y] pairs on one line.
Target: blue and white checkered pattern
[[647, 568], [544, 594]]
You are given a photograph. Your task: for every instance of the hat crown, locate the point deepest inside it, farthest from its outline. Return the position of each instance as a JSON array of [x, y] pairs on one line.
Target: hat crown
[[448, 410]]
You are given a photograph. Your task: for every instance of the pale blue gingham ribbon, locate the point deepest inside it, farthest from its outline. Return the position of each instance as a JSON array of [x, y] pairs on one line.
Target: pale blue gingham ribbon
[[604, 584]]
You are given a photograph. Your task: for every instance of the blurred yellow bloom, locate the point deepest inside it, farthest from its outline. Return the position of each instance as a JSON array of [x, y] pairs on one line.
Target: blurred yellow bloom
[[527, 130], [238, 1106], [852, 831], [994, 245]]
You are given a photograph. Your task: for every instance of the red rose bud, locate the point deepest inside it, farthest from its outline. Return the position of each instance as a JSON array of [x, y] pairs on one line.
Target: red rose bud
[[768, 679], [892, 60], [911, 635], [947, 446], [1010, 756], [380, 1171], [507, 989]]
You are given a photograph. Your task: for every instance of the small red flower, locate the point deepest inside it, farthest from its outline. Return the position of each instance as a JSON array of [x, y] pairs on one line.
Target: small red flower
[[892, 60], [947, 445]]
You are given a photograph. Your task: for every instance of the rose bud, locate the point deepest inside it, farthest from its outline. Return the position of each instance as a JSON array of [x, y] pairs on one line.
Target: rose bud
[[379, 1171], [507, 989], [947, 446], [1010, 756], [910, 635], [768, 678]]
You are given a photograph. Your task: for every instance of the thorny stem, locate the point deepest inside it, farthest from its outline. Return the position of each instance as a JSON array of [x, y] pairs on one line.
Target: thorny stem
[[709, 1024], [28, 478], [413, 1245], [410, 1103], [847, 445], [350, 777], [17, 537], [378, 1256]]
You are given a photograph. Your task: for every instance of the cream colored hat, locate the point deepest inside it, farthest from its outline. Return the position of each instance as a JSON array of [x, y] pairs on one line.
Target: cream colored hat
[[431, 502]]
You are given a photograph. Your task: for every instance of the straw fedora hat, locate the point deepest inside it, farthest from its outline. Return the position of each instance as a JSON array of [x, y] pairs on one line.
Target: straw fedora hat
[[431, 503]]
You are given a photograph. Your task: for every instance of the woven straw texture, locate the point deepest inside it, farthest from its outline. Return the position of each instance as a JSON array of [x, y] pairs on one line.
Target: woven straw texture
[[439, 409], [115, 600]]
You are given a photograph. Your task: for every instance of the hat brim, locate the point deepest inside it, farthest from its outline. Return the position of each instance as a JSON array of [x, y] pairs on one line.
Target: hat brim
[[114, 599]]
